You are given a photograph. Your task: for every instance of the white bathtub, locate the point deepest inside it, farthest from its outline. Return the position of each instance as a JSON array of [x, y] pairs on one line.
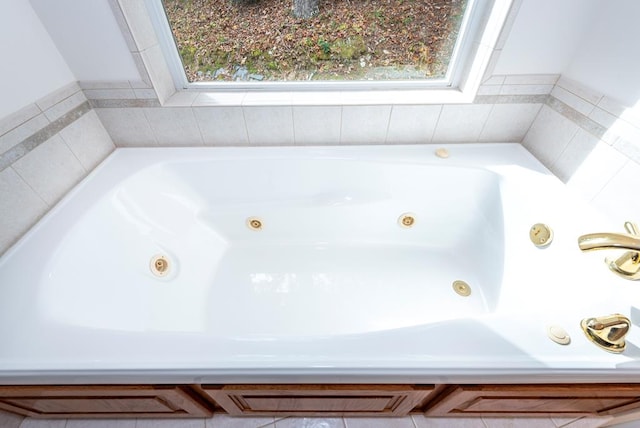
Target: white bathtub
[[331, 287]]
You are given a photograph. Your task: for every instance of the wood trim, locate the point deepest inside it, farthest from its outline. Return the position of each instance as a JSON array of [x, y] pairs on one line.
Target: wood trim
[[536, 400], [319, 400], [88, 401]]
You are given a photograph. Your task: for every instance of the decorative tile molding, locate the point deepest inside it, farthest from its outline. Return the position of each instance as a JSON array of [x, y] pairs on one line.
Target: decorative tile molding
[[615, 130], [25, 146], [29, 127]]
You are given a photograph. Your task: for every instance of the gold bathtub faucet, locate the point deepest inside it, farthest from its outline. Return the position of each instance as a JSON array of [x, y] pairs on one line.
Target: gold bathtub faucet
[[628, 264], [607, 332]]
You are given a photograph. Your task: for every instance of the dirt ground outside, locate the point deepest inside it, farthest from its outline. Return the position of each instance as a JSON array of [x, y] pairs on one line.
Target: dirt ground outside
[[256, 40]]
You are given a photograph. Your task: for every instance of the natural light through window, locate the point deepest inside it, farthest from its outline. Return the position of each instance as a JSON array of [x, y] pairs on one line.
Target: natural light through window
[[316, 40]]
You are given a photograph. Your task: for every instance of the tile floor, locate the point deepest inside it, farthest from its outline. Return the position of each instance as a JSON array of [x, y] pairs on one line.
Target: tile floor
[[415, 421]]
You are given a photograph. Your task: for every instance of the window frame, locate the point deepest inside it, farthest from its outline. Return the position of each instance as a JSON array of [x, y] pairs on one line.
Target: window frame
[[477, 39]]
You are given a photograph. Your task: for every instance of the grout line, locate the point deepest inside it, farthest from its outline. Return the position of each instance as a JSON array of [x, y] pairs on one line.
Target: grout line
[[484, 125], [193, 113], [246, 130], [340, 129], [386, 135], [614, 175], [293, 126]]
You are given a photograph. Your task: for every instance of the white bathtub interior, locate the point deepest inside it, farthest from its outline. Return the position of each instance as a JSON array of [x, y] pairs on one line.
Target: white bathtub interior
[[331, 281]]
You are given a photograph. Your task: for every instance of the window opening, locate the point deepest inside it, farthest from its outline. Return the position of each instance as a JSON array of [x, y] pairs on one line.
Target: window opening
[[332, 40]]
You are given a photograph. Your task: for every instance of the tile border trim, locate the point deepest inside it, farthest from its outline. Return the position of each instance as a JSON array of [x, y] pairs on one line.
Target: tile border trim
[[34, 140]]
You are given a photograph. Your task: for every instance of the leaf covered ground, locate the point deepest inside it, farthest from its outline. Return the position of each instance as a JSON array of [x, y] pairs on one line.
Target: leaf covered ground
[[347, 40]]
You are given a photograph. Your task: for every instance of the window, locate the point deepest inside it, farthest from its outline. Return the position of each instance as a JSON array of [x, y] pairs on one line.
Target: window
[[344, 45]]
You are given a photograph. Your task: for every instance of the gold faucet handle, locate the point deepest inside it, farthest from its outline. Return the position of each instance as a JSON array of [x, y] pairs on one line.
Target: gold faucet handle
[[627, 265], [607, 332]]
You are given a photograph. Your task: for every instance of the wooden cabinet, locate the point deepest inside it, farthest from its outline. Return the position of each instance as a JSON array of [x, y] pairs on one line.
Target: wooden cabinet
[[102, 401], [535, 400], [183, 401], [318, 400]]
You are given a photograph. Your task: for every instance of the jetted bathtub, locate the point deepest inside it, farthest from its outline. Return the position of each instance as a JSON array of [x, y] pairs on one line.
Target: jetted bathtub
[[342, 263]]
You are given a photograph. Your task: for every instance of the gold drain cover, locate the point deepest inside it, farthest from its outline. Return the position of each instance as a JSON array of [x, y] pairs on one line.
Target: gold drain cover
[[407, 220], [254, 223], [541, 235], [462, 288], [159, 265]]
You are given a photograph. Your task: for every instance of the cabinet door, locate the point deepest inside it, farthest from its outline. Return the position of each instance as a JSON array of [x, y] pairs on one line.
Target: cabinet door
[[317, 400], [101, 401], [536, 400]]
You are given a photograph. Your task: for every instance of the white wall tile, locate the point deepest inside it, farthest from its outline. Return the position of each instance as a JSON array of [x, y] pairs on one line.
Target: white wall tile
[[20, 206], [221, 125], [364, 124], [531, 79], [269, 125], [181, 99], [614, 200], [88, 140], [489, 90], [494, 80], [174, 126], [158, 72], [65, 106], [587, 165], [139, 24], [525, 89], [602, 117], [631, 149], [110, 94], [461, 123], [629, 114], [317, 125], [549, 135], [412, 124], [104, 84], [509, 122], [128, 127], [17, 118], [573, 100], [58, 95], [51, 169], [25, 130], [580, 90], [145, 94]]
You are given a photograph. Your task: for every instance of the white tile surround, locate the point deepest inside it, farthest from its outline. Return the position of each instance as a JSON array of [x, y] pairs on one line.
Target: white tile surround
[[592, 143], [414, 421], [46, 148], [587, 139], [227, 121]]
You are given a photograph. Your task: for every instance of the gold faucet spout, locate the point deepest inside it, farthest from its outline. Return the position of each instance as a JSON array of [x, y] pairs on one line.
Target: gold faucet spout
[[627, 265], [605, 241]]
